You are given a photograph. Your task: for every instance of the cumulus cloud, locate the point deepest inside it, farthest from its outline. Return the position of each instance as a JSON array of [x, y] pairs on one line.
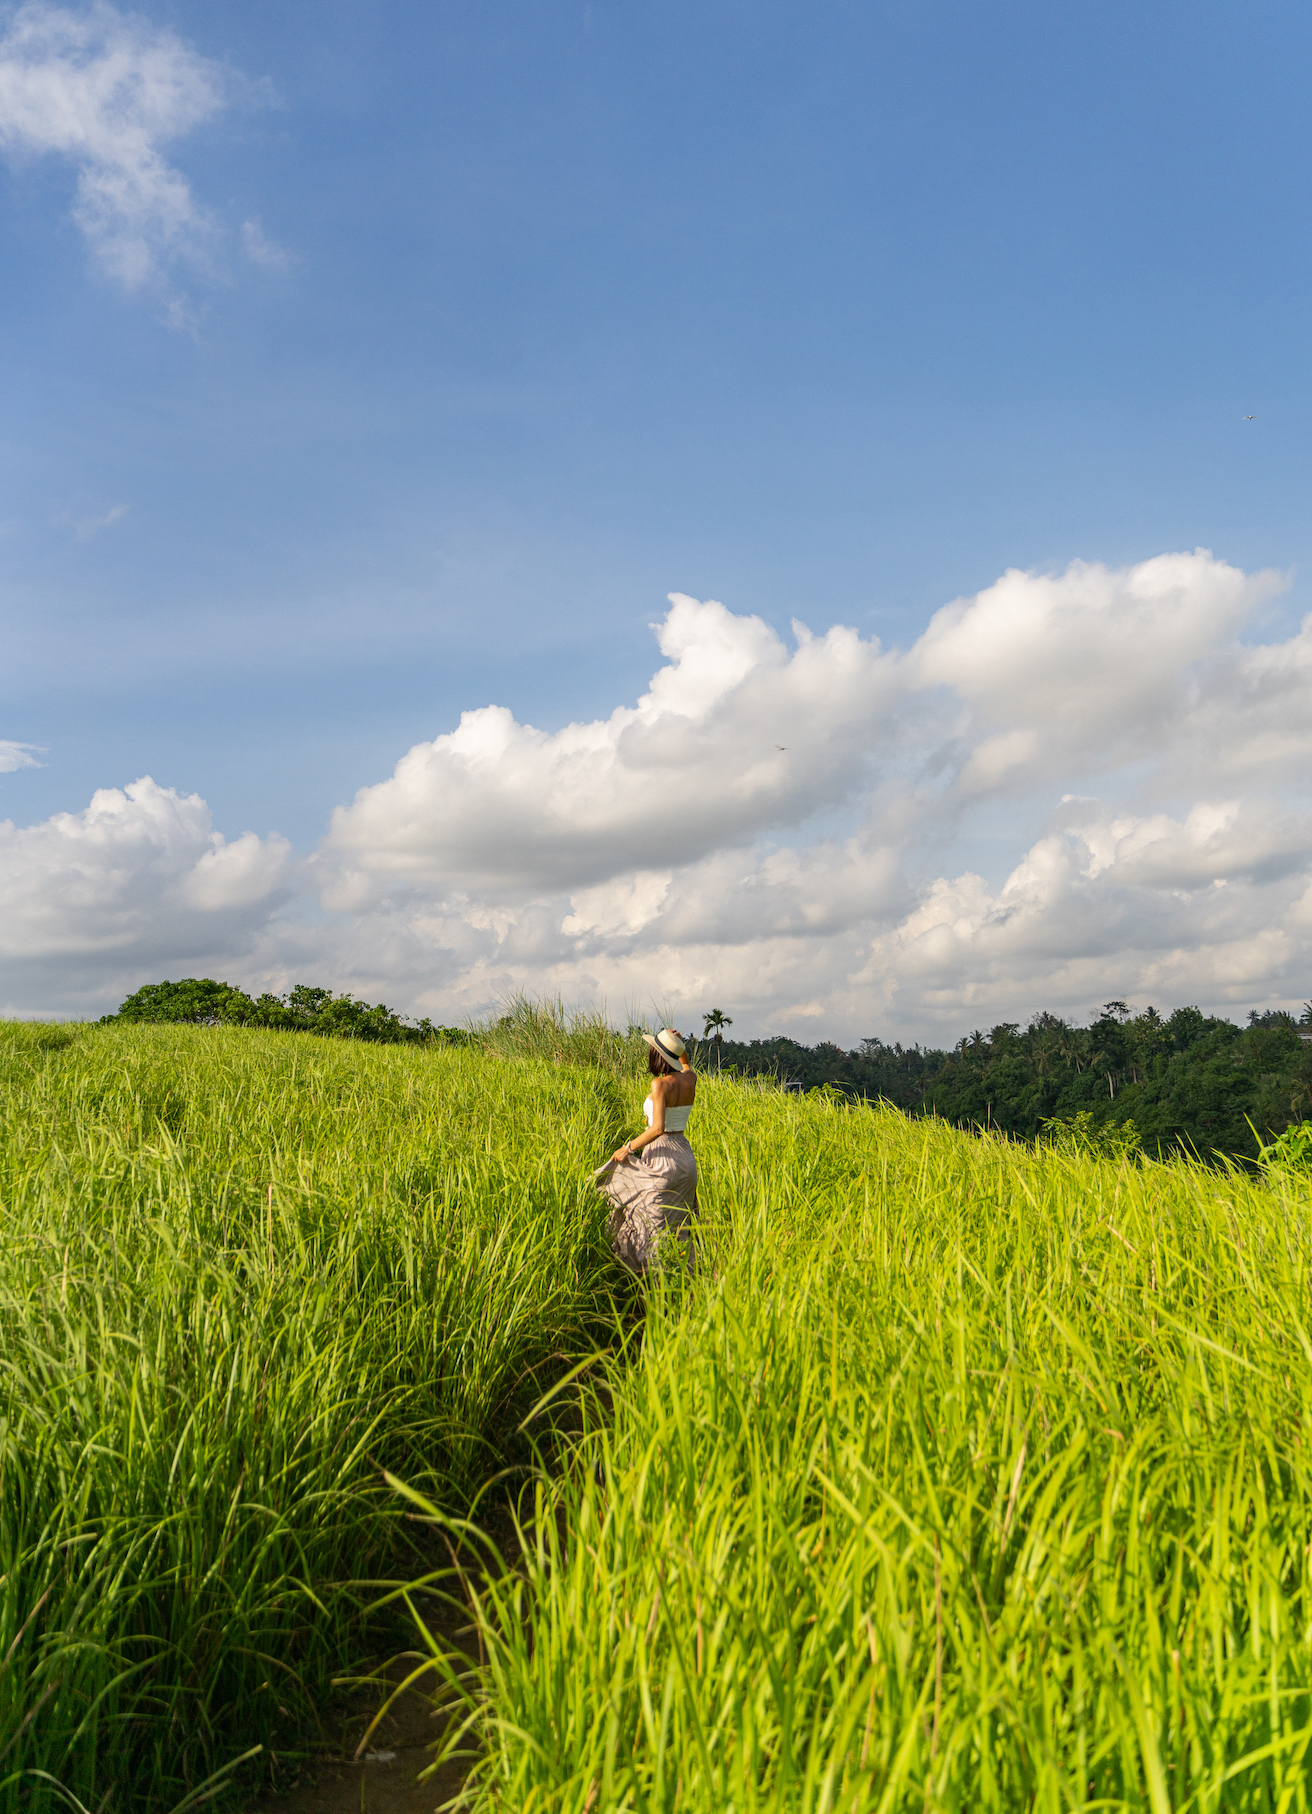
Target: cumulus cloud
[[1143, 770], [108, 92], [696, 764], [139, 878], [1082, 670], [1250, 723], [1113, 907], [1036, 677], [670, 849]]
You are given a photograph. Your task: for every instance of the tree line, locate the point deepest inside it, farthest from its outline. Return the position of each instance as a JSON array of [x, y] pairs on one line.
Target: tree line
[[200, 1001], [1187, 1080]]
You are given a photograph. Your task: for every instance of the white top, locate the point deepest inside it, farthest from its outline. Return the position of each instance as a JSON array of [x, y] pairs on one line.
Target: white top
[[676, 1119]]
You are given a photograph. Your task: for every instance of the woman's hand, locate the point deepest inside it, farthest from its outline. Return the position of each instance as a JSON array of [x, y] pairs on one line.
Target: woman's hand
[[621, 1155]]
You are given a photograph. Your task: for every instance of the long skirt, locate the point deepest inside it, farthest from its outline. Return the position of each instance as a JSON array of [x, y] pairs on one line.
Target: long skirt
[[654, 1196]]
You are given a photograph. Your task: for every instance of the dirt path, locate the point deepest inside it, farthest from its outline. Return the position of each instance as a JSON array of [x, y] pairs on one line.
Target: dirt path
[[400, 1747], [384, 1781]]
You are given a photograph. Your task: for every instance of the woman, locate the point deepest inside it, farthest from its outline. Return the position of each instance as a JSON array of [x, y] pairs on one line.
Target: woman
[[652, 1179]]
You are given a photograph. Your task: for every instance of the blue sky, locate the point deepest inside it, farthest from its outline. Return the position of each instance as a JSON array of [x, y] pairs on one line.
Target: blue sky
[[832, 312]]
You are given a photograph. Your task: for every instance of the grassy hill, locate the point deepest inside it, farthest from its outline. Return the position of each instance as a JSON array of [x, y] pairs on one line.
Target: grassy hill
[[964, 1475]]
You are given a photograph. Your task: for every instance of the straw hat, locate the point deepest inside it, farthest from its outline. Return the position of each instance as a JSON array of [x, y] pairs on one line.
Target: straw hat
[[667, 1044]]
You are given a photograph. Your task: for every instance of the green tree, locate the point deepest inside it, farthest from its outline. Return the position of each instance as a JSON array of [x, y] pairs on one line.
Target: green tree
[[1080, 1133], [307, 1003], [1290, 1151], [198, 1001], [304, 1009], [716, 1023]]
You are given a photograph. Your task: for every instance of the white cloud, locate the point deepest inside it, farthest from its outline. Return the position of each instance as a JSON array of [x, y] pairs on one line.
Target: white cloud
[[667, 852], [695, 765], [16, 755], [1252, 721], [108, 92], [1148, 815], [138, 879], [1216, 843], [1036, 678], [249, 872], [1116, 907], [1082, 670]]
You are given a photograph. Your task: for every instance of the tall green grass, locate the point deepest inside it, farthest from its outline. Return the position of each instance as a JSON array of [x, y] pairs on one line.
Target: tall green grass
[[965, 1476], [241, 1274], [962, 1475], [543, 1029]]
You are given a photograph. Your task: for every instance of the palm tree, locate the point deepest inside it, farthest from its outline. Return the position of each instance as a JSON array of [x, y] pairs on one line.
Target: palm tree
[[716, 1022]]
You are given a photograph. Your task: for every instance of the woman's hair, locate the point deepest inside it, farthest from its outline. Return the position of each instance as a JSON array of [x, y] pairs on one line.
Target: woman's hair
[[657, 1065]]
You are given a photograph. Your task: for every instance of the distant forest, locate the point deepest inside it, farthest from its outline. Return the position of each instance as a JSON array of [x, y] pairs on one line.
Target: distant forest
[[1187, 1080]]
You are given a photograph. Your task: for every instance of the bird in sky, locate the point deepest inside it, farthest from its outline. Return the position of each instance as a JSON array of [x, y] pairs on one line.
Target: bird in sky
[[1250, 418], [781, 746]]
